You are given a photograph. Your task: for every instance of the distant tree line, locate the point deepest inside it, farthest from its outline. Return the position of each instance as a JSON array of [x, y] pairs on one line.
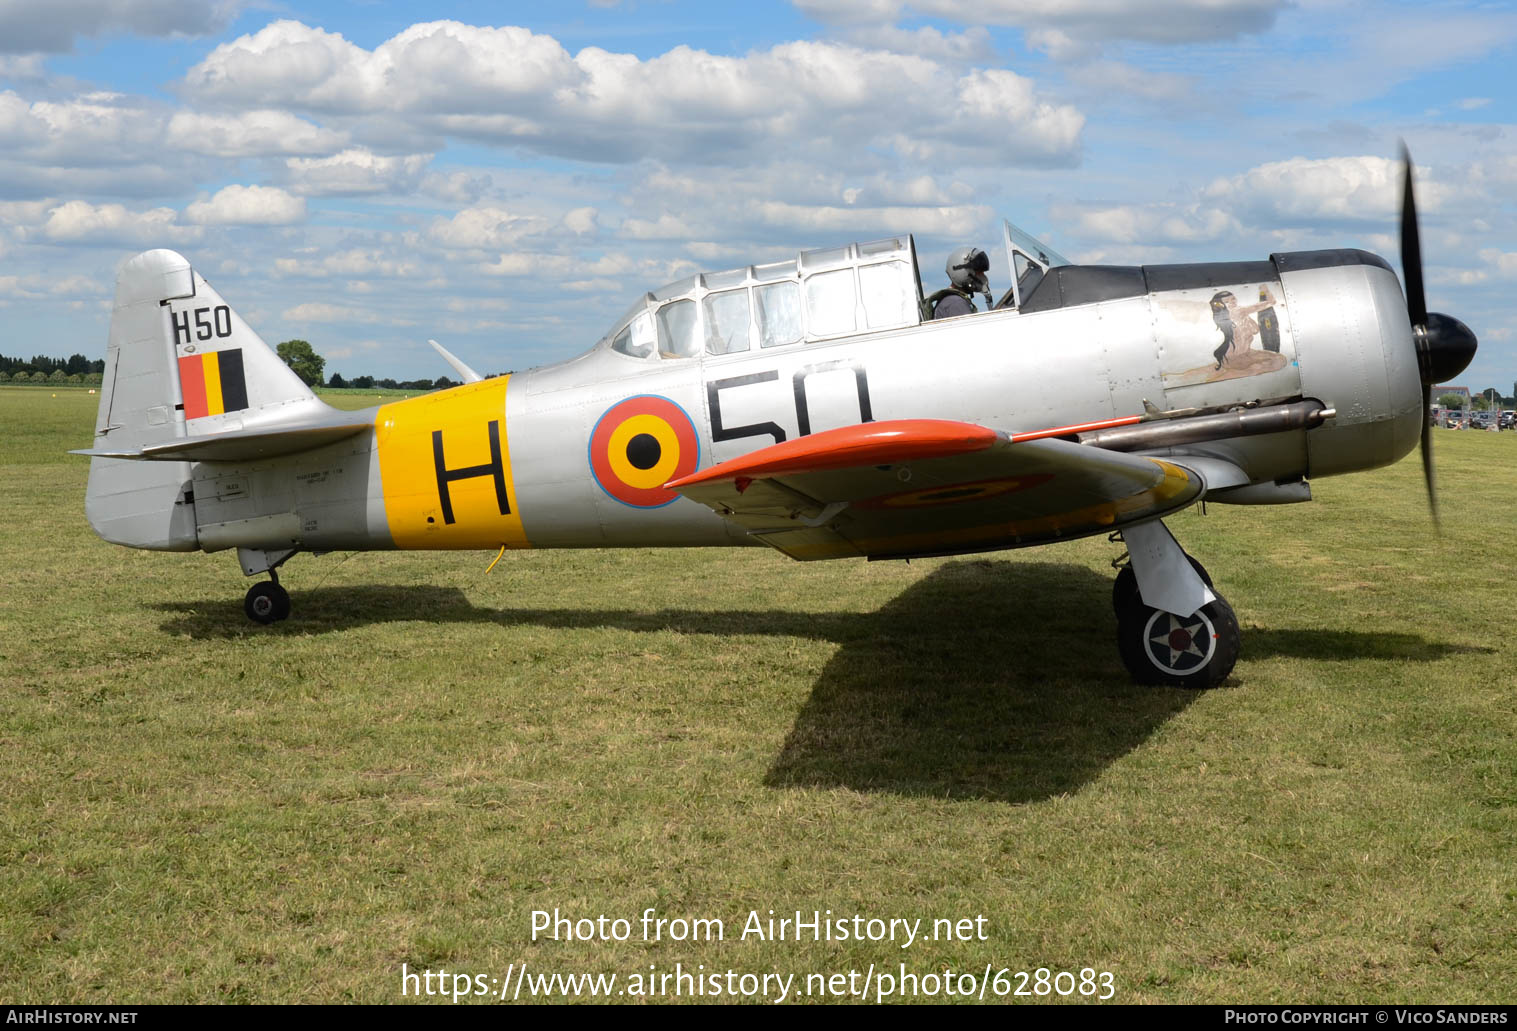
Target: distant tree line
[[74, 363], [303, 360], [76, 369], [337, 382], [1487, 398]]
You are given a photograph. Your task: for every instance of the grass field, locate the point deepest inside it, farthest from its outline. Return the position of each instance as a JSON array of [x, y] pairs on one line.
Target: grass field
[[196, 808]]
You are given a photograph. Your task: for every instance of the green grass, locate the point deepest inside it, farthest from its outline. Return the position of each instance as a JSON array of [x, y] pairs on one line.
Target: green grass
[[195, 808]]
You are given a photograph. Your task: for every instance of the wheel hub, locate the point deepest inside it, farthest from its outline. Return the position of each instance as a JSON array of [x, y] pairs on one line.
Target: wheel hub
[[1179, 645]]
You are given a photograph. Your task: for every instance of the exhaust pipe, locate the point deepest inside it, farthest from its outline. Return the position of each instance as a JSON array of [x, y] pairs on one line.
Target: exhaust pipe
[[1196, 429]]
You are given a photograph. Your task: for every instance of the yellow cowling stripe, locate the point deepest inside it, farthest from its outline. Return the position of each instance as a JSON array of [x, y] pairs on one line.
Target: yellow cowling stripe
[[413, 509]]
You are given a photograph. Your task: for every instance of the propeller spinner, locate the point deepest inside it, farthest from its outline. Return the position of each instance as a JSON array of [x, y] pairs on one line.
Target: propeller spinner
[[1445, 346]]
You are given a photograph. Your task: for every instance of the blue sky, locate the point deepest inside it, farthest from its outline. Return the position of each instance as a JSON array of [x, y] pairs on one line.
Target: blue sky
[[368, 175]]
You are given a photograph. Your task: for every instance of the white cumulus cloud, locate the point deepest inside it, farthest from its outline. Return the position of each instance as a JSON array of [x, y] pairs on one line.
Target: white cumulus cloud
[[1151, 224], [485, 227], [1364, 188], [666, 227], [250, 134], [973, 44], [92, 129], [1502, 263], [356, 171], [353, 264], [510, 86], [581, 220], [1157, 21], [456, 187], [78, 221], [957, 220], [52, 27], [248, 206], [322, 311], [439, 65]]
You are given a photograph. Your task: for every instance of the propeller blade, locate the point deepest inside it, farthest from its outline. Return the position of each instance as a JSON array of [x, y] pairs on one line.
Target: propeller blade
[[1411, 247], [1416, 310], [1427, 456]]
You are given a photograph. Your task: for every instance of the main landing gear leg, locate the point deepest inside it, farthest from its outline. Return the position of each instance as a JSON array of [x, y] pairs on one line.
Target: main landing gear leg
[[265, 602], [1172, 628]]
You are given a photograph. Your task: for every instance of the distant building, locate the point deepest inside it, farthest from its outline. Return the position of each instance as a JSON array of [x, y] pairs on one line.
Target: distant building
[[1463, 392]]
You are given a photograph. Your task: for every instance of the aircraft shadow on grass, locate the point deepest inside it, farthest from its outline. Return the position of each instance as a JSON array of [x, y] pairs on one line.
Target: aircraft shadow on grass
[[986, 679]]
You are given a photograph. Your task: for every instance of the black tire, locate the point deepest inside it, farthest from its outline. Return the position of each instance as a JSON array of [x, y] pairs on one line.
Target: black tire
[[266, 603], [1124, 590], [1160, 648]]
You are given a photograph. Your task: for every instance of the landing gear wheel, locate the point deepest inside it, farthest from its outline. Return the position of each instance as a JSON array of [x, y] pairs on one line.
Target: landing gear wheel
[[1195, 652], [267, 603], [1124, 590]]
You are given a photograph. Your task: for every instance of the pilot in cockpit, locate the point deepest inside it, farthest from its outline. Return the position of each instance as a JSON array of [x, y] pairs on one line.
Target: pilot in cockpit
[[966, 270]]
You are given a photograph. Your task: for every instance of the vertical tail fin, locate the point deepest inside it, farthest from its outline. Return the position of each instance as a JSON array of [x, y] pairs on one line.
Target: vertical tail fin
[[179, 362]]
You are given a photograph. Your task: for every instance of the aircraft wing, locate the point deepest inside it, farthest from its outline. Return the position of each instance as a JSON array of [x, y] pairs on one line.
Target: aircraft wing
[[918, 487]]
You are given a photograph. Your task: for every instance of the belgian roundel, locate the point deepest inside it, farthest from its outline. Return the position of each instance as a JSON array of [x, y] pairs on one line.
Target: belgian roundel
[[978, 490], [639, 445]]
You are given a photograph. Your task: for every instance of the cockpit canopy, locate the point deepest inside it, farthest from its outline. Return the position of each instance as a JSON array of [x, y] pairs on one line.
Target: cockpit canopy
[[819, 295]]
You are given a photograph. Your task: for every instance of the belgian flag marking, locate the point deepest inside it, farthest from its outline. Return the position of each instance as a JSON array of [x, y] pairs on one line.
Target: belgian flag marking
[[213, 383]]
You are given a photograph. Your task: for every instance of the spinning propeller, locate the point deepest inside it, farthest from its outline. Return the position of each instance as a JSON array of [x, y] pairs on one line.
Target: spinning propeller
[[1444, 345]]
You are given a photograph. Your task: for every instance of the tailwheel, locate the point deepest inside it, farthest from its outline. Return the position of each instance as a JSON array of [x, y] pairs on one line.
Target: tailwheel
[[1124, 590], [266, 603], [1196, 651]]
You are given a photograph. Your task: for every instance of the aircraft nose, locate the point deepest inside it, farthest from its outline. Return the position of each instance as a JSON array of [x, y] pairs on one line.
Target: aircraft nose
[[1445, 348]]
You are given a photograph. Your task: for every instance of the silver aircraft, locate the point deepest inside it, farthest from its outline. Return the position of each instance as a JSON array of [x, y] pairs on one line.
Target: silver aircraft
[[808, 405]]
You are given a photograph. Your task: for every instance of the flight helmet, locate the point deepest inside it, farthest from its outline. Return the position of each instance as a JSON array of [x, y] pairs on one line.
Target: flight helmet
[[966, 270]]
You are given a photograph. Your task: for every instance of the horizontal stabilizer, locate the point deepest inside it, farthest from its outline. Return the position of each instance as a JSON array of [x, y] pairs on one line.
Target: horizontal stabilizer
[[237, 446], [469, 375]]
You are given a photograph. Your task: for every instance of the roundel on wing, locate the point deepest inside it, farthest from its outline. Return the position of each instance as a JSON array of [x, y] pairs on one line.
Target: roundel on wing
[[639, 445], [978, 490]]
